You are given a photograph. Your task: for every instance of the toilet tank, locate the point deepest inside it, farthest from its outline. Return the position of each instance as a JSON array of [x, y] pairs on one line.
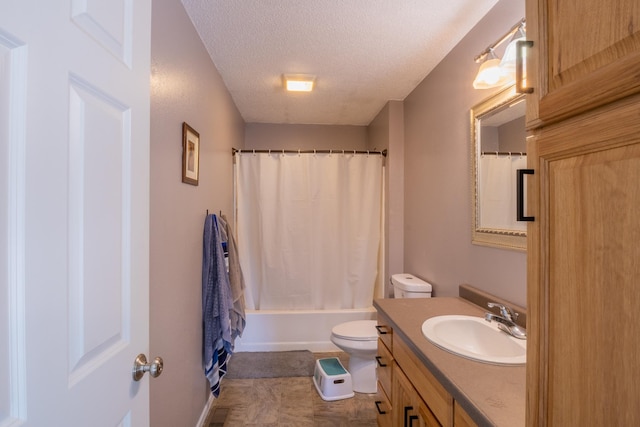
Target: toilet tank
[[409, 286]]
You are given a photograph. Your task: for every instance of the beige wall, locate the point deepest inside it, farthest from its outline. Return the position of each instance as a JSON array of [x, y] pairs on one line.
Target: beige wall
[[437, 210], [185, 86], [386, 132], [268, 136]]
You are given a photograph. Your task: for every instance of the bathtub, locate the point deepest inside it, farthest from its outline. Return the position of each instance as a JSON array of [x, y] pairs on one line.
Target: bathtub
[[279, 330]]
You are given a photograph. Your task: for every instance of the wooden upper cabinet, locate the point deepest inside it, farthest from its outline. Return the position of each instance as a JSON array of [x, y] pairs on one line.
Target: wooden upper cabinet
[[586, 54]]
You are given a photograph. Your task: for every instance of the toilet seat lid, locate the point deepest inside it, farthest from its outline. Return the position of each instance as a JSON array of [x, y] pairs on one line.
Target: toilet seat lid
[[357, 330]]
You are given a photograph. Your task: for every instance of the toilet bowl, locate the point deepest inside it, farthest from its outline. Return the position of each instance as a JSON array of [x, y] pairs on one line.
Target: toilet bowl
[[359, 339]]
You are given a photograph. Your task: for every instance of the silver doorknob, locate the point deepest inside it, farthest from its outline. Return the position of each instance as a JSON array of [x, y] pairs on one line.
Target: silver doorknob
[[140, 366]]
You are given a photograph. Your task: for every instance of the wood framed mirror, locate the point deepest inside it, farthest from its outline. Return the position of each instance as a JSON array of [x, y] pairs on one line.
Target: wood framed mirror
[[498, 149]]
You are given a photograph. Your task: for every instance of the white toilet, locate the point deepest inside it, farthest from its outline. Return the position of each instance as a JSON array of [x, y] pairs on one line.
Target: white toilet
[[359, 338], [409, 286]]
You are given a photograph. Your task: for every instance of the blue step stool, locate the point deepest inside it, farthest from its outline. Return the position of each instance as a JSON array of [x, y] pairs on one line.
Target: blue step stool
[[332, 380]]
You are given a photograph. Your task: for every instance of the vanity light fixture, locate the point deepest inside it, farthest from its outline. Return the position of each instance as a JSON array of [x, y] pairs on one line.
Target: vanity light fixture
[[298, 82], [490, 74], [494, 72], [508, 63]]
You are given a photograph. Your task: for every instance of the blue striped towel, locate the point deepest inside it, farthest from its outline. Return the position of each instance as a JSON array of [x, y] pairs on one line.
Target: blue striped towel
[[217, 302]]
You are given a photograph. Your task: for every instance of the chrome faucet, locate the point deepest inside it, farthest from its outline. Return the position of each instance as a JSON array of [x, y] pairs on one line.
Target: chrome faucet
[[506, 320]]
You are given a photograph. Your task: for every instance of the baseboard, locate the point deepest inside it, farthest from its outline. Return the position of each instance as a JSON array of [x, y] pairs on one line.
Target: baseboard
[[313, 346], [205, 411]]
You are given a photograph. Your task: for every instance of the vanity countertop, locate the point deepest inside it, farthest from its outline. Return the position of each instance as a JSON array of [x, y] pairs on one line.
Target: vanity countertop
[[492, 395]]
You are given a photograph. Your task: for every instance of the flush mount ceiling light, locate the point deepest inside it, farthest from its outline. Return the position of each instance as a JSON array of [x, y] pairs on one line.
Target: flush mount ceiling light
[[298, 82], [494, 72]]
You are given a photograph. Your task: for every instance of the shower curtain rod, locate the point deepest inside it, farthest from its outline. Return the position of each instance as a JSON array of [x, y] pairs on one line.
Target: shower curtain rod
[[383, 152]]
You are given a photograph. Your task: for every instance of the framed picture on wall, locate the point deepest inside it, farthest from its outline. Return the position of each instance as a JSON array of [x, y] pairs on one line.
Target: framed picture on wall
[[190, 155]]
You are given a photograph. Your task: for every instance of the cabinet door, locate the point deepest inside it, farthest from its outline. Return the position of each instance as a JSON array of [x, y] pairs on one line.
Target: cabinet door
[[426, 417], [584, 350], [461, 418], [402, 398], [409, 409], [586, 54], [425, 383]]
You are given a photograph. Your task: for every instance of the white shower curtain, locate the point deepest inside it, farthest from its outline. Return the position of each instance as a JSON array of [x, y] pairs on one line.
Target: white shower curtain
[[309, 228], [498, 189]]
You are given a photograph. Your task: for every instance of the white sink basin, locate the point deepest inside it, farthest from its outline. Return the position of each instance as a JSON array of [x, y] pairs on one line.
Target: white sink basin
[[475, 338]]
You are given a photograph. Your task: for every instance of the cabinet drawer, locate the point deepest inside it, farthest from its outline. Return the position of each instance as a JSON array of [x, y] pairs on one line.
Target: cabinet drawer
[[385, 332], [428, 387], [383, 408], [383, 368]]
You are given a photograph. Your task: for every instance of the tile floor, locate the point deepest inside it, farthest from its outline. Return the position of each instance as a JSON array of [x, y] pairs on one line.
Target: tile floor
[[291, 402]]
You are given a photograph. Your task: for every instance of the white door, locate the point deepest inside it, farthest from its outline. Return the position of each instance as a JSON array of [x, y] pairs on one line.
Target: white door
[[74, 177]]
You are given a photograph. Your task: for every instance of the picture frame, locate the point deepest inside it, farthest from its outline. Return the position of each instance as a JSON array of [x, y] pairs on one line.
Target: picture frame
[[190, 155]]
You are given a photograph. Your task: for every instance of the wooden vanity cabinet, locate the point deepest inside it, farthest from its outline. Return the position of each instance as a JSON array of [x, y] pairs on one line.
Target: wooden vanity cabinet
[[416, 397], [583, 360], [384, 371]]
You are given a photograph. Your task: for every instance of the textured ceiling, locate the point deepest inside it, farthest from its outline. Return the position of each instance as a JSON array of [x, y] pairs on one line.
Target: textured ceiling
[[363, 52]]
